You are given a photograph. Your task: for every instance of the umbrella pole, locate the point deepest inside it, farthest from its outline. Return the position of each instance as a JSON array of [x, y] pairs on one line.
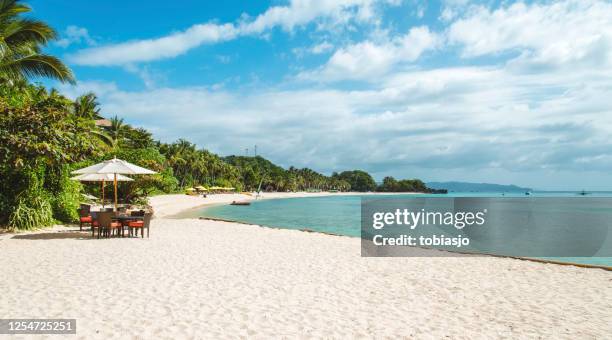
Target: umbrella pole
[[115, 180], [102, 194]]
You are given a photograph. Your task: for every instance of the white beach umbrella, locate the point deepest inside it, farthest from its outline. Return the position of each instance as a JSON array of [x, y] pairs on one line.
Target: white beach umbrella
[[115, 167], [100, 178]]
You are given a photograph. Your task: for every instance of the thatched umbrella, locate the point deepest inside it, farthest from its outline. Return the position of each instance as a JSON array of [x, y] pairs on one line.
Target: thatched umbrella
[[115, 167]]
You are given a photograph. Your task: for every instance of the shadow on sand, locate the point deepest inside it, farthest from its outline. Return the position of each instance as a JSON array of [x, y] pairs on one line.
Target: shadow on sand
[[56, 235]]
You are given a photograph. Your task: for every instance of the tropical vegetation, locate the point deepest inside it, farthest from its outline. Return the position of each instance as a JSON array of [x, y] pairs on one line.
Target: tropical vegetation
[[45, 135]]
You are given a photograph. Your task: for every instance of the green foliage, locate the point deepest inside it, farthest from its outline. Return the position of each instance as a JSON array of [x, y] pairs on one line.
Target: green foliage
[[390, 184], [87, 106], [67, 199], [38, 136], [117, 132], [21, 42], [31, 207], [253, 170], [31, 211], [138, 138], [198, 167], [256, 170], [39, 129], [359, 180]]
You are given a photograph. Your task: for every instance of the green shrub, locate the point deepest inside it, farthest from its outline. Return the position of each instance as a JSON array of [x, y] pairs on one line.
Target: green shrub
[[67, 201], [32, 210]]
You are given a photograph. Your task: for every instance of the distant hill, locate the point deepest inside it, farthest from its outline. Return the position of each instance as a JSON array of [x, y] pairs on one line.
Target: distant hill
[[476, 187]]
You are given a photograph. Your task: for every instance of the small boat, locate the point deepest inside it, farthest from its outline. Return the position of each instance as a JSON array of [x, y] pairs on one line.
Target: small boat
[[527, 193], [583, 193], [240, 203]]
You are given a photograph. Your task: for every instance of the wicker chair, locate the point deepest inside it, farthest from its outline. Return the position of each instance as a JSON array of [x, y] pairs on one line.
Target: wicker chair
[[84, 216], [142, 225], [95, 224], [107, 225]]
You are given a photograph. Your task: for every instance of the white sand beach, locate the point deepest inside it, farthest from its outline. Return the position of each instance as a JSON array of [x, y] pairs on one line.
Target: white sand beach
[[207, 279]]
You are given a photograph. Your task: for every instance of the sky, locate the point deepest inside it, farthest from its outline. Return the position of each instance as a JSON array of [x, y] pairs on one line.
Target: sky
[[481, 91]]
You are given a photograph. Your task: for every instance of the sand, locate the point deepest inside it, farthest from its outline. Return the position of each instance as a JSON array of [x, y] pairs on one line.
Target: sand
[[208, 279]]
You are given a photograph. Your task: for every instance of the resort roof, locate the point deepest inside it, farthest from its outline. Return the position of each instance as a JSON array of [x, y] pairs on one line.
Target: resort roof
[[103, 122]]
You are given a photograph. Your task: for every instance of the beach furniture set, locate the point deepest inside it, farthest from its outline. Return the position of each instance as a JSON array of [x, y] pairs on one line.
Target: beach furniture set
[[110, 223]]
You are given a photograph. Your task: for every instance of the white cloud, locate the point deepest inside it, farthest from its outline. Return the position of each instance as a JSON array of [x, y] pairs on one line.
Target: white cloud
[[466, 120], [494, 121], [296, 13], [321, 48], [370, 60], [550, 33], [75, 35], [540, 36], [452, 8], [154, 49], [301, 12]]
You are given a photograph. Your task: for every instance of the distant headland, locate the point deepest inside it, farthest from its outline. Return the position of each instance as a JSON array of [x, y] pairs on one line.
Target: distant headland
[[476, 187]]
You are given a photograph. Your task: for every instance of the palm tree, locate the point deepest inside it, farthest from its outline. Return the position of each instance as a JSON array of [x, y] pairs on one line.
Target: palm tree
[[87, 106], [117, 131], [21, 40]]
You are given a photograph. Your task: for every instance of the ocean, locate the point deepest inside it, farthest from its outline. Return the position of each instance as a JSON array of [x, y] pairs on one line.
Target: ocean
[[341, 215]]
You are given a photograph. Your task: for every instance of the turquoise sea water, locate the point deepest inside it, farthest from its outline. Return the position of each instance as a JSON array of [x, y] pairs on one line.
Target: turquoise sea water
[[341, 214]]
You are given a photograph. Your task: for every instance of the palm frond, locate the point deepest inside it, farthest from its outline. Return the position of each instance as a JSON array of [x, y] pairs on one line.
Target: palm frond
[[36, 65], [12, 8], [103, 137], [87, 106], [21, 42], [28, 31]]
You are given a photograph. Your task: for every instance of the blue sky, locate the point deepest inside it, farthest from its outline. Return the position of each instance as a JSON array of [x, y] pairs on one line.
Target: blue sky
[[489, 91]]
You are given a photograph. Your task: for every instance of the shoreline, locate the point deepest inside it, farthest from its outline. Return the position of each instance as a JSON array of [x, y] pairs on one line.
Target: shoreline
[[228, 198], [174, 204]]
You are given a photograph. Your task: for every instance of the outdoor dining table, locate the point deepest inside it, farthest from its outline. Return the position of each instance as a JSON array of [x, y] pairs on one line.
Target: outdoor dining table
[[123, 218], [127, 218]]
